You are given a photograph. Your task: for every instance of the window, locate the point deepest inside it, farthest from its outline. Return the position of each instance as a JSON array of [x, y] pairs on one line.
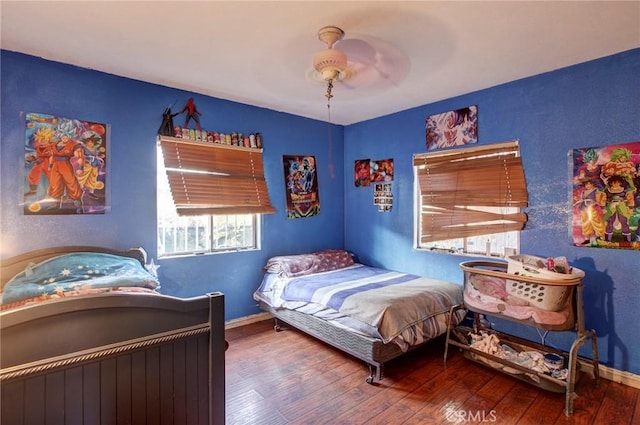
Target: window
[[468, 200], [209, 197], [198, 234]]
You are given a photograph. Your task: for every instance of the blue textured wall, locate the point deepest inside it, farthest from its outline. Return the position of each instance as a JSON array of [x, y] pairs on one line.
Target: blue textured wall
[[134, 111], [591, 104]]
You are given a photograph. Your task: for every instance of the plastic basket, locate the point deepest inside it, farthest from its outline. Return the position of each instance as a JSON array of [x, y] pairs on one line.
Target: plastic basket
[[546, 297]]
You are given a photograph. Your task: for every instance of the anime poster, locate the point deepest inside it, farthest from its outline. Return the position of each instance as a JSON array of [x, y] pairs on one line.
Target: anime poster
[[382, 170], [606, 196], [301, 179], [453, 128], [367, 171], [362, 172], [65, 166]]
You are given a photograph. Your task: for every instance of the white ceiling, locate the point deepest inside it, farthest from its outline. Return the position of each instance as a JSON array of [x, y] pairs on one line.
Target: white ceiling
[[260, 52]]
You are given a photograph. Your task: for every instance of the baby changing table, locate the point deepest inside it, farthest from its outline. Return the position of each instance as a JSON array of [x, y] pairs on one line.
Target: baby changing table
[[531, 300]]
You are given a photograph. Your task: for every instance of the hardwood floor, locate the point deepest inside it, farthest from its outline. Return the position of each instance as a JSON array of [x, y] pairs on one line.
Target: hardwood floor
[[289, 378]]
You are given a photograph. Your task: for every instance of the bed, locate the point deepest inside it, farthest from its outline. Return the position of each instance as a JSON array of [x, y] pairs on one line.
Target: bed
[[373, 314], [85, 337]]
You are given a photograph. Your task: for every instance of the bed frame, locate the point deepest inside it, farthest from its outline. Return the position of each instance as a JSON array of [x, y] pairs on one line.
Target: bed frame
[[111, 358], [370, 350]]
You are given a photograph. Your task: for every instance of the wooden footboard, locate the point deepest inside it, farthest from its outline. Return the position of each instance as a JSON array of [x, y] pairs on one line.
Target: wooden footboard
[[114, 359]]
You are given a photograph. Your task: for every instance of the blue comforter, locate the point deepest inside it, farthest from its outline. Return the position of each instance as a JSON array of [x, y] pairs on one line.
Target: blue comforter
[[76, 272], [388, 300]]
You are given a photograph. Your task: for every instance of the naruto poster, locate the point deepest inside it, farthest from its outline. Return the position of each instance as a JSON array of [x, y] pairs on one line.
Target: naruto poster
[[301, 179], [65, 166]]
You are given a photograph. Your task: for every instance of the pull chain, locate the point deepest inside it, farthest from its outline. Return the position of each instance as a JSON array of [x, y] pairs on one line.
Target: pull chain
[[328, 95]]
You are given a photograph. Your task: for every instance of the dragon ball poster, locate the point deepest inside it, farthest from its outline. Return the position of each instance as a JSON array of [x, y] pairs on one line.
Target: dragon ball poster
[[453, 128], [65, 166], [301, 180], [606, 196]]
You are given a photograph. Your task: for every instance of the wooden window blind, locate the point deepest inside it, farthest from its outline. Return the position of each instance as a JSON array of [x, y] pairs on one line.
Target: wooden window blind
[[461, 191], [214, 179]]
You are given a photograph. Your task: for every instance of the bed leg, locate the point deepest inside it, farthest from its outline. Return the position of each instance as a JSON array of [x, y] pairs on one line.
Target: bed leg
[[375, 373], [276, 325]]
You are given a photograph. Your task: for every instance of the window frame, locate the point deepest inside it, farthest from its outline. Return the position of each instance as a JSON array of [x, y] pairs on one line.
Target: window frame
[[500, 242], [164, 202]]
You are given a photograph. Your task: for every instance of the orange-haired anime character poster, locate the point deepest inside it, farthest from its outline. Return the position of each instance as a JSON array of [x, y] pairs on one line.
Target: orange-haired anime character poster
[[606, 196], [301, 178], [65, 166]]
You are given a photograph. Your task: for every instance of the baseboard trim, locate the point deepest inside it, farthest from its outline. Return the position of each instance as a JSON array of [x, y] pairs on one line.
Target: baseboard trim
[[615, 375], [247, 320], [611, 374]]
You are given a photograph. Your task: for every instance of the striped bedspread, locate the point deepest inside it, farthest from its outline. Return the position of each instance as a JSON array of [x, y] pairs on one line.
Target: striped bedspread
[[387, 300]]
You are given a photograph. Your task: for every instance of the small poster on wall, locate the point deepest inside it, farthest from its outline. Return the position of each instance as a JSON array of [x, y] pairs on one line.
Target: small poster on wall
[[453, 128], [383, 196], [65, 166], [367, 171], [362, 173], [606, 196], [301, 181], [382, 170]]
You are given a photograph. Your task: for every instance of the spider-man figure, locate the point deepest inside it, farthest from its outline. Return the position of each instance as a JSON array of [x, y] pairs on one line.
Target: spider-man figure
[[192, 112]]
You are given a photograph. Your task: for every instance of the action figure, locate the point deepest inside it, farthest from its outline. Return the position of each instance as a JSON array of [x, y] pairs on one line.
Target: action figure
[[192, 112], [166, 128]]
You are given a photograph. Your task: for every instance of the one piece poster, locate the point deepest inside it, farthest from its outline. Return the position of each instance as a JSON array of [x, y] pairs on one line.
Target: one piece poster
[[301, 180], [65, 166], [606, 196], [453, 128]]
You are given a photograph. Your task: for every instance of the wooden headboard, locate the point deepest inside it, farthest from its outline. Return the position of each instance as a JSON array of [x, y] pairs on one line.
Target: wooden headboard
[[13, 265]]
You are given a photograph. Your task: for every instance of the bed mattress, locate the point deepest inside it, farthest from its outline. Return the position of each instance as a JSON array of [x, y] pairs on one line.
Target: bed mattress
[[387, 305]]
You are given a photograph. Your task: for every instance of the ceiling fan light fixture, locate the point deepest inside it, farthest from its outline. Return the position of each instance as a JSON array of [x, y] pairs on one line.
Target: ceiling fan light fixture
[[330, 63]]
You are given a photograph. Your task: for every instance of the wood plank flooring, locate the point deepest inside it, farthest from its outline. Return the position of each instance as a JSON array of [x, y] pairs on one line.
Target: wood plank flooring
[[287, 377]]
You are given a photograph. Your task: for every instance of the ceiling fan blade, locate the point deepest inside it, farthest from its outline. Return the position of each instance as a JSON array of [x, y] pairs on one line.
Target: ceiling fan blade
[[358, 50], [374, 59], [346, 84]]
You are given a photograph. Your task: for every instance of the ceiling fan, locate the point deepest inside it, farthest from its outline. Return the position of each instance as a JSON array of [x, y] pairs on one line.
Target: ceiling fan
[[356, 61], [330, 63]]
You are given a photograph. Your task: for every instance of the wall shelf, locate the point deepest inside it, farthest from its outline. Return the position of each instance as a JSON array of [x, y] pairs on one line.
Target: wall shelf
[[207, 144]]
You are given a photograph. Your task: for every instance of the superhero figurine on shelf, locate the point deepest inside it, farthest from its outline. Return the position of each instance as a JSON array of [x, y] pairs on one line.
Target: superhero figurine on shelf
[[192, 112], [167, 128]]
